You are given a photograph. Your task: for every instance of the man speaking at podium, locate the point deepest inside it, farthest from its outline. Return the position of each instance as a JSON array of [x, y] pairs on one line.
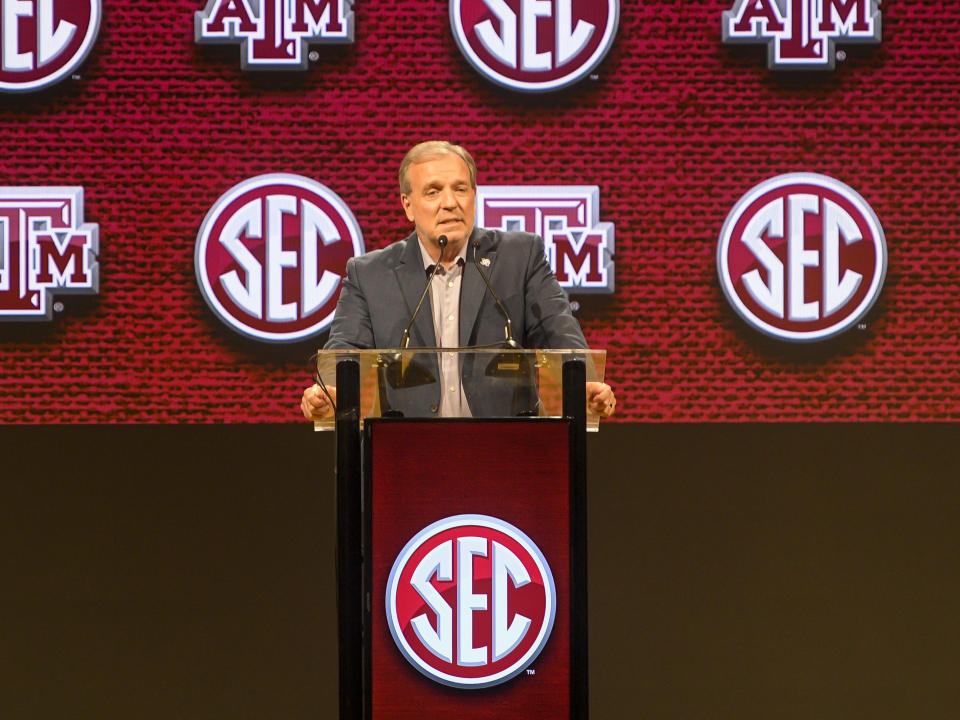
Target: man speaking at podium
[[438, 191]]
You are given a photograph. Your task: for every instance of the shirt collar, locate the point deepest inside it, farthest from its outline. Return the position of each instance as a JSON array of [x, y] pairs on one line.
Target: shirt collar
[[428, 262]]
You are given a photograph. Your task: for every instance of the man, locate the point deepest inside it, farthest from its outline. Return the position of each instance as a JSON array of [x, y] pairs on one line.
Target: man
[[438, 190]]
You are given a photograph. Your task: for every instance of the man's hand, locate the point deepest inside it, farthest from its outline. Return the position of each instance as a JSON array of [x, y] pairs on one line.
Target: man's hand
[[600, 399], [315, 405]]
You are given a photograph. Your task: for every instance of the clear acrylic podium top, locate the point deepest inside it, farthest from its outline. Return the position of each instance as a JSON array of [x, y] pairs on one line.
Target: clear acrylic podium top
[[497, 382]]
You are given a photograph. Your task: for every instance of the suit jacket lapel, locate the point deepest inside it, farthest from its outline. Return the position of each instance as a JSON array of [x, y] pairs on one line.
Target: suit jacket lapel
[[412, 279], [473, 287]]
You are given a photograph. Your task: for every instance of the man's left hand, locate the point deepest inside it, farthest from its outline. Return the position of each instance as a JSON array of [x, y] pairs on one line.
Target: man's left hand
[[600, 399]]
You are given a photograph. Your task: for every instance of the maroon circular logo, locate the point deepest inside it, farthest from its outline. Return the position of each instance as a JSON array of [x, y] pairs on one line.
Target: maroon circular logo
[[802, 257], [43, 41], [470, 601], [534, 45], [270, 255]]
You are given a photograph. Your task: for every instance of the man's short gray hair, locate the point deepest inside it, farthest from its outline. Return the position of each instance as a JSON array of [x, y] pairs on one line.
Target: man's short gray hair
[[430, 150]]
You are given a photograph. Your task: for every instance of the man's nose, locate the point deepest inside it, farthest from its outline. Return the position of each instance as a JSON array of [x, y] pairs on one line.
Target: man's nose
[[448, 198]]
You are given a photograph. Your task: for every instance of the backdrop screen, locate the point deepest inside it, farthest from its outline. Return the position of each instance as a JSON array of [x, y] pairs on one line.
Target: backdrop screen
[[672, 127]]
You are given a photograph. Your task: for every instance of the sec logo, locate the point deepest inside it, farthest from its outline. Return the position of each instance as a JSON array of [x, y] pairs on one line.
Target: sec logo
[[534, 45], [802, 257], [43, 41], [270, 255], [470, 601]]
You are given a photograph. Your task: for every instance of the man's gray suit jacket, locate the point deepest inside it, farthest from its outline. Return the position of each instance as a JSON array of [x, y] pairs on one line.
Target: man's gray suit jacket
[[382, 289]]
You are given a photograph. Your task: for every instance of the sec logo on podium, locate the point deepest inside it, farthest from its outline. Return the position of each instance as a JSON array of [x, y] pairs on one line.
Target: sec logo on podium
[[471, 601]]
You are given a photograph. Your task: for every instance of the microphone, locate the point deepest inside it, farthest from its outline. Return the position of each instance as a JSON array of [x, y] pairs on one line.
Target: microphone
[[510, 342], [405, 338], [514, 365], [395, 371]]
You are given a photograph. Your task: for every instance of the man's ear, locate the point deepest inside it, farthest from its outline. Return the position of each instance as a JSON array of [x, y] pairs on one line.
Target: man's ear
[[406, 203]]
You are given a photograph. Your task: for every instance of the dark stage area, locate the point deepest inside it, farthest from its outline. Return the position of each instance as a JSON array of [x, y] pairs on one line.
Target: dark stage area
[[736, 571]]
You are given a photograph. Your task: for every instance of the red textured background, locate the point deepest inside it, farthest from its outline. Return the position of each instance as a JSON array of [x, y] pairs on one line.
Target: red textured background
[[674, 129]]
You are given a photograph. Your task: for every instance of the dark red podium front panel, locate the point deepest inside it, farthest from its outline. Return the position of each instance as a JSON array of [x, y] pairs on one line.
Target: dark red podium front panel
[[469, 573]]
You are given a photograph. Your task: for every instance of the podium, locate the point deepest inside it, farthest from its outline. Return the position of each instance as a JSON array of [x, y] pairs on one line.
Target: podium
[[461, 560]]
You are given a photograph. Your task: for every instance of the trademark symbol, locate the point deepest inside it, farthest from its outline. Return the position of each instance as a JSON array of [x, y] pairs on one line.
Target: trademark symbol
[[574, 305], [594, 77], [58, 307], [841, 55], [313, 55], [531, 671], [75, 76], [861, 326]]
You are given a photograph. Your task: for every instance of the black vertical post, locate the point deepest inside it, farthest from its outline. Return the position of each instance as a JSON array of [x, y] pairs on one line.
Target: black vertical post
[[575, 409], [349, 554]]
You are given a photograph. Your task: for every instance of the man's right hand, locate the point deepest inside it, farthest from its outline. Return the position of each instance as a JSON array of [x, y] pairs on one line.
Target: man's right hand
[[315, 405]]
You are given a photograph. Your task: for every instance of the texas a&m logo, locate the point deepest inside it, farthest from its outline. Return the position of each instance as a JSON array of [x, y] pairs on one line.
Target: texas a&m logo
[[800, 34], [802, 257], [579, 247], [534, 45], [470, 601], [43, 41], [45, 248], [270, 255], [275, 34]]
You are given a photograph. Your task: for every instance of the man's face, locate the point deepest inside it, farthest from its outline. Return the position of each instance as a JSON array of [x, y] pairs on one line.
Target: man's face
[[441, 200]]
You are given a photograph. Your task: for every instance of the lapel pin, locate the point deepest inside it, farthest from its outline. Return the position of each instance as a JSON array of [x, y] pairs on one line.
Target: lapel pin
[[485, 262]]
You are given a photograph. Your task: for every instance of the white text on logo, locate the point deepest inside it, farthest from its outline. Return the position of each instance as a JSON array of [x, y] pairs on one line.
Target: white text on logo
[[52, 34], [570, 38], [507, 569], [778, 220]]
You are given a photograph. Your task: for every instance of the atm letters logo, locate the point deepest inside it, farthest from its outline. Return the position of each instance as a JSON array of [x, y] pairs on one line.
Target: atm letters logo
[[471, 601], [801, 34], [534, 45], [579, 247], [45, 248], [270, 255], [275, 34], [43, 41], [802, 257]]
